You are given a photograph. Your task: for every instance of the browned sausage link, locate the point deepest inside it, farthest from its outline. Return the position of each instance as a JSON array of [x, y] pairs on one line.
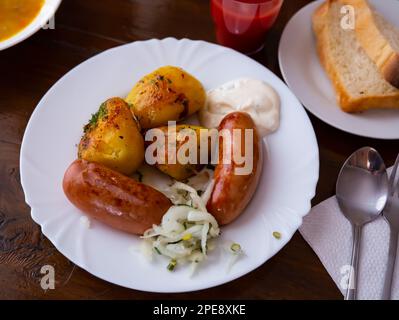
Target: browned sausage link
[[232, 192], [113, 198]]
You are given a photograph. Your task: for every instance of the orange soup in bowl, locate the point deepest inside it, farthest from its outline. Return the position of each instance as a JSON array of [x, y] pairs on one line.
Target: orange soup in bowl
[[16, 15]]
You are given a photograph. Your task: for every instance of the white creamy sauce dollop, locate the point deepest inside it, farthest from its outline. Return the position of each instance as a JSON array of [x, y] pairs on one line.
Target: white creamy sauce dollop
[[252, 96]]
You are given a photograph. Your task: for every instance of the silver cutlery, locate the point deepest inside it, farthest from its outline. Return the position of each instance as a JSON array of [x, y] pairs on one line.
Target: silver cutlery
[[391, 215], [362, 191]]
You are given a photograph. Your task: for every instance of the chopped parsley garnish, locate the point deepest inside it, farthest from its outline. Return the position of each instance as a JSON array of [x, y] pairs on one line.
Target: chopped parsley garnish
[[178, 241], [277, 235], [172, 264], [235, 247], [101, 113]]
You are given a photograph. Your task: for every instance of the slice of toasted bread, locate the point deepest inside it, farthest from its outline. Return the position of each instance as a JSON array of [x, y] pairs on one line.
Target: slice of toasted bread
[[357, 80], [379, 39]]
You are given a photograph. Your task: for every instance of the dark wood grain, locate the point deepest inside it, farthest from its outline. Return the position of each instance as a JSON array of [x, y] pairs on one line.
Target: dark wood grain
[[83, 29]]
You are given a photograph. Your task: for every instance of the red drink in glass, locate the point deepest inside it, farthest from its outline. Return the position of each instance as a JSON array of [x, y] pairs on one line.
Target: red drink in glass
[[242, 24]]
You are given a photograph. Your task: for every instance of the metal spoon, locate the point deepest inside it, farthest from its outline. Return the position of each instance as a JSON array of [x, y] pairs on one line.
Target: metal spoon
[[362, 191], [391, 215]]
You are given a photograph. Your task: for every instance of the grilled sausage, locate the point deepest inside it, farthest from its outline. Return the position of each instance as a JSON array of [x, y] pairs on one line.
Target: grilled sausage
[[232, 192], [113, 198]]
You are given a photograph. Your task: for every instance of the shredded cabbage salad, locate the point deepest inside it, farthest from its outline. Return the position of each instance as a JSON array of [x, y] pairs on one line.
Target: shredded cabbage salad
[[187, 231]]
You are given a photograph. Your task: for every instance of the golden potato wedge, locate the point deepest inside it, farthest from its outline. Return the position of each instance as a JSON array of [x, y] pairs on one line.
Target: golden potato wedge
[[169, 93], [172, 166], [112, 138]]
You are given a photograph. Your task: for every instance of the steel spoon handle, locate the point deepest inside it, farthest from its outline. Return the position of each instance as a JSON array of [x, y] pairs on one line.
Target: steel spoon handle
[[393, 245], [351, 290]]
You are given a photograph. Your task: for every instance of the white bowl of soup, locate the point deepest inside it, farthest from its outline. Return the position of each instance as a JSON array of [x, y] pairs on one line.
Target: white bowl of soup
[[19, 19]]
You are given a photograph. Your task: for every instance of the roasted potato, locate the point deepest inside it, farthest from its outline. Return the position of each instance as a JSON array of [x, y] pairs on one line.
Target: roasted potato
[[171, 164], [169, 93], [112, 138]]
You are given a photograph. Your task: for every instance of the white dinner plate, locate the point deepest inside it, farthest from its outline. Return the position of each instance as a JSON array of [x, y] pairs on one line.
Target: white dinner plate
[[46, 12], [302, 71], [282, 199]]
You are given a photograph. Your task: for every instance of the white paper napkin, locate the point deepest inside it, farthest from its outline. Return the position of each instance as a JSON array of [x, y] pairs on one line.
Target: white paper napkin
[[329, 234]]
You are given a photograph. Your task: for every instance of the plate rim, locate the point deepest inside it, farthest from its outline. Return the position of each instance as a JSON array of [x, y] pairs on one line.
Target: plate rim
[[314, 112], [313, 181]]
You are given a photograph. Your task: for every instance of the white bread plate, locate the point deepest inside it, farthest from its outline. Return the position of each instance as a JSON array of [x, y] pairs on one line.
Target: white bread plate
[[304, 74]]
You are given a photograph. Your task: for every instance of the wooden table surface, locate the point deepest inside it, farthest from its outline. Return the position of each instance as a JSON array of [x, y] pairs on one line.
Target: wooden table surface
[[83, 29]]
